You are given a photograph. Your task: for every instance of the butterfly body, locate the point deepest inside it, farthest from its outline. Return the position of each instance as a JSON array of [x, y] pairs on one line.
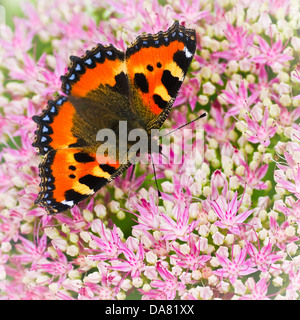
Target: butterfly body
[[105, 88]]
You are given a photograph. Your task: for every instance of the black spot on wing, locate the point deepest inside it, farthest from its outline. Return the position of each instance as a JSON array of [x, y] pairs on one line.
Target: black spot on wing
[[83, 157], [149, 67], [159, 101], [122, 84], [171, 83], [181, 60], [93, 182], [79, 143], [72, 195], [141, 82], [107, 168]]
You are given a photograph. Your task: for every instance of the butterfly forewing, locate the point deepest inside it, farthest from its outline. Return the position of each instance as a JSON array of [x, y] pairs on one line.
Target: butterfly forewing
[[156, 66]]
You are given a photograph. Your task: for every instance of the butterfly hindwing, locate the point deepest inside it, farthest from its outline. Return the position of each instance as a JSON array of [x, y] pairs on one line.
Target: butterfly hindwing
[[70, 170], [70, 175]]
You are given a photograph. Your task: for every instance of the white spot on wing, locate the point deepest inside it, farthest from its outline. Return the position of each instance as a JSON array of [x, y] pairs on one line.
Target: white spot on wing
[[188, 54], [68, 203]]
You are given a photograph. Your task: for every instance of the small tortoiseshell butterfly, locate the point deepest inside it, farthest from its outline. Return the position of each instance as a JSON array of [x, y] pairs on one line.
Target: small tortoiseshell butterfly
[[103, 87]]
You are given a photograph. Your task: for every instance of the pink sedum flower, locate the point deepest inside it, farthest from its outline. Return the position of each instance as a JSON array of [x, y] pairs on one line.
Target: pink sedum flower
[[263, 257], [108, 242], [239, 43], [17, 41], [258, 291], [169, 284], [221, 128], [271, 54], [230, 199], [253, 178], [192, 260], [133, 262], [284, 182], [227, 213], [260, 133], [279, 234], [56, 267], [237, 267], [290, 209], [188, 93], [238, 100], [179, 228], [191, 11]]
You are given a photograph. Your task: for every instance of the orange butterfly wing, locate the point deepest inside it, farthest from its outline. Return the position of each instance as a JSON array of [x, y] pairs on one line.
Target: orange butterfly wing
[[67, 129], [104, 87], [156, 66]]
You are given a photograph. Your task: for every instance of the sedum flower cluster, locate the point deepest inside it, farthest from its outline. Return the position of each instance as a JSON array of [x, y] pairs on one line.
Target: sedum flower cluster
[[228, 222]]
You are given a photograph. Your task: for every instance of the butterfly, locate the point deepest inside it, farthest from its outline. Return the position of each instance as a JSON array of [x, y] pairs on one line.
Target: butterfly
[[103, 88]]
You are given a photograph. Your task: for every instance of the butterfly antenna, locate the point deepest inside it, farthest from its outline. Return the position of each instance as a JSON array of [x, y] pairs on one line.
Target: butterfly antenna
[[160, 152], [186, 124], [158, 191]]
